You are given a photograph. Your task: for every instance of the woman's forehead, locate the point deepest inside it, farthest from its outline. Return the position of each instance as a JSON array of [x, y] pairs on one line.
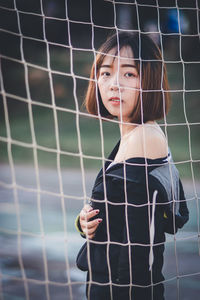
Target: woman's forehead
[[125, 53]]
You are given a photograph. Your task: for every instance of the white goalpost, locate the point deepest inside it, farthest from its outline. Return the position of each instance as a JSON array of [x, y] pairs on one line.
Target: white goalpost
[[51, 148]]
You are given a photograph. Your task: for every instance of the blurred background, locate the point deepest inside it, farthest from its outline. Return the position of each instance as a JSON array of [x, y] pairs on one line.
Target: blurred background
[[50, 153]]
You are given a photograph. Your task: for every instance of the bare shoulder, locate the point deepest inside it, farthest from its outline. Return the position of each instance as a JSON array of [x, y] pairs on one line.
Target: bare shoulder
[[147, 141]]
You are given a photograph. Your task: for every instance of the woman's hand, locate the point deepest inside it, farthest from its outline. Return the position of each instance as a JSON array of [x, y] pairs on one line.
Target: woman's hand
[[89, 227]]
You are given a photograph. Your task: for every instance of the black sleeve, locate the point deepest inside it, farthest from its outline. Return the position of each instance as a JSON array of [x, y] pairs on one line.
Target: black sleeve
[[173, 218], [134, 260], [183, 216]]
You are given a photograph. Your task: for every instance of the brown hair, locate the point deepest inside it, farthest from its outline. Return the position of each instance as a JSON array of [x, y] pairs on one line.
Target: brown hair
[[154, 100]]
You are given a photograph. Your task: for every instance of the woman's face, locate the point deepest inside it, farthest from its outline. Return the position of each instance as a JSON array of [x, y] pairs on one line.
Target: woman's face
[[119, 83]]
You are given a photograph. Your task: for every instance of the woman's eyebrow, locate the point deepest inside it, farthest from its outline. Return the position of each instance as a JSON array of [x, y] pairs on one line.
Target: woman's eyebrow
[[128, 66], [123, 66], [105, 66]]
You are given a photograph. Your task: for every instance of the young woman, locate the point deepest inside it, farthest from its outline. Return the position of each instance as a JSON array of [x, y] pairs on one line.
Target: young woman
[[137, 196]]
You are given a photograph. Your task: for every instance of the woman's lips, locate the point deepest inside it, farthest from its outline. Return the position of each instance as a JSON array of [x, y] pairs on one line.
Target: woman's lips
[[115, 100]]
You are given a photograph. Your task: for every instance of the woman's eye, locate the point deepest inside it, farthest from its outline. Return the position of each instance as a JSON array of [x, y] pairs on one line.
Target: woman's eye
[[128, 74], [105, 74]]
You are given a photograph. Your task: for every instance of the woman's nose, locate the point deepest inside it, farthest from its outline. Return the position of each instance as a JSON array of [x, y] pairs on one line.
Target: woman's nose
[[114, 84]]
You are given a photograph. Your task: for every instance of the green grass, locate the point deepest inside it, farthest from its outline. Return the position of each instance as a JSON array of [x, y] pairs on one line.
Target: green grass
[[185, 108]]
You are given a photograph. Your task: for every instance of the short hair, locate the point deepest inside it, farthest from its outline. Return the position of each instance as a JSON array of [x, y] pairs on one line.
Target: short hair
[[154, 100]]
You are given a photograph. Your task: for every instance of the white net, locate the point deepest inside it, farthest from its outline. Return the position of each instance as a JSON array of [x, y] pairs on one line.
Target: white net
[[50, 146]]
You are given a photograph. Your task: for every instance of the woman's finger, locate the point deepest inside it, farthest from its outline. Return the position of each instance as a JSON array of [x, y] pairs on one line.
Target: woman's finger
[[91, 236], [90, 228], [87, 215], [93, 224]]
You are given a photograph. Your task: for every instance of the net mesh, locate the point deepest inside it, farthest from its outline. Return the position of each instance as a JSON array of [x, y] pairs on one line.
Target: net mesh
[[47, 49]]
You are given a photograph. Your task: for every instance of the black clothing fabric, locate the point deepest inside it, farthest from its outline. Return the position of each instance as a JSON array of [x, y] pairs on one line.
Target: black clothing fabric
[[139, 201], [94, 291]]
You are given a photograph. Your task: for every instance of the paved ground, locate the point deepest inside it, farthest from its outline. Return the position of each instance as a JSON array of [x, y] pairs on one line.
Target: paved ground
[[44, 259]]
